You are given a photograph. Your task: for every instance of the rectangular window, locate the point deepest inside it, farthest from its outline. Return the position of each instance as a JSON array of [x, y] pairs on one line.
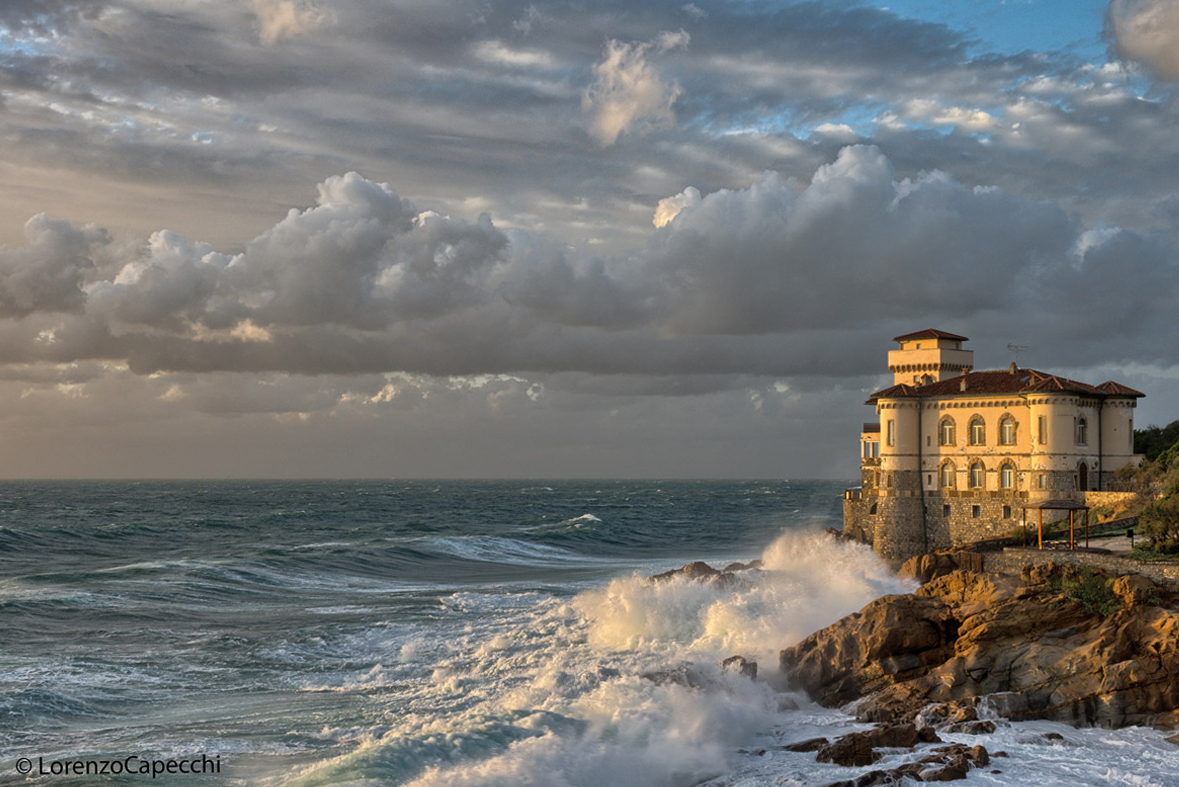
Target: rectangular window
[[1006, 512], [946, 510], [1042, 425], [892, 432], [976, 511], [928, 441], [1041, 481]]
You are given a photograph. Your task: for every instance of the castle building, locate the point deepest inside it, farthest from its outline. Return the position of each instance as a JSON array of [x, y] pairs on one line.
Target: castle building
[[956, 454]]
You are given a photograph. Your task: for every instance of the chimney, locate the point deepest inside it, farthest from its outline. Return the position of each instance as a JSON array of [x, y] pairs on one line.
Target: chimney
[[1013, 369], [963, 386]]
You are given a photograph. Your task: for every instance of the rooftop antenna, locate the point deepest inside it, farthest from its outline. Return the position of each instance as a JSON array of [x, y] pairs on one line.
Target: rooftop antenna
[[1017, 349]]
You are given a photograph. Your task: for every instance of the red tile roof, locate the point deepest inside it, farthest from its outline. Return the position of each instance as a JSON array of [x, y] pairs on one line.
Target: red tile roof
[[1117, 389], [1003, 382], [930, 333]]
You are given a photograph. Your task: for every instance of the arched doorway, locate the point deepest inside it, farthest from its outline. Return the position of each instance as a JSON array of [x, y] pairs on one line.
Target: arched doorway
[[1083, 477]]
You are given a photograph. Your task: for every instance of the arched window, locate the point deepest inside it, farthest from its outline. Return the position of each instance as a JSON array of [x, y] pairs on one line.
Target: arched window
[[1082, 432], [1007, 430], [978, 475], [872, 510], [978, 431], [947, 475], [1007, 476], [946, 431]]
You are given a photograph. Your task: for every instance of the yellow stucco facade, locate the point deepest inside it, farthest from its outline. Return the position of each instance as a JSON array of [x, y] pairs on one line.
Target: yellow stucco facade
[[956, 454]]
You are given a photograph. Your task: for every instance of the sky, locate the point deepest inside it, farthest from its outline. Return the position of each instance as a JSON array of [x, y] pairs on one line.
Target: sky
[[390, 239]]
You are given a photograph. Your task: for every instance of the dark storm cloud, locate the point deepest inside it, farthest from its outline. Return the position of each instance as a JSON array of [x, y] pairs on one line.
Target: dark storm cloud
[[780, 278]]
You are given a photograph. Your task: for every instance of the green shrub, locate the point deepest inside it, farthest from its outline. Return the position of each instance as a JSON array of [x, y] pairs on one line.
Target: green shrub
[[1159, 522], [1089, 589], [1148, 553]]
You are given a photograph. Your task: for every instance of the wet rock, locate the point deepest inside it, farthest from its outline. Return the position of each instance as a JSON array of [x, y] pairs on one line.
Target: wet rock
[[694, 571], [686, 675], [858, 748], [972, 727], [742, 566], [810, 744], [741, 666], [700, 571], [889, 778], [849, 750], [954, 770], [927, 735]]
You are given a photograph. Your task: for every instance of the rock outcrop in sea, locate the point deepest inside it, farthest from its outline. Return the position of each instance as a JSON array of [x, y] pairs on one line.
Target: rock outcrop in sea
[[1081, 649]]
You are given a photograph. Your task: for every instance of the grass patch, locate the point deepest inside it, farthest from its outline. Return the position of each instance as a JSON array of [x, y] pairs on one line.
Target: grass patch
[[1148, 553]]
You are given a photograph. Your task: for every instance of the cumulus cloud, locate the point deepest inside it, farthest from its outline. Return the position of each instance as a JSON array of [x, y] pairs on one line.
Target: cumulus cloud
[[1147, 31], [670, 207], [47, 274], [628, 91], [783, 277], [283, 19], [777, 256]]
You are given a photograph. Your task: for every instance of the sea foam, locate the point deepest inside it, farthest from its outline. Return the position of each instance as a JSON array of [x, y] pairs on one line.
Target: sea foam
[[622, 685]]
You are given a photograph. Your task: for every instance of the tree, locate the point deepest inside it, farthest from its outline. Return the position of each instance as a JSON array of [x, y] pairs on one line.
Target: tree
[[1154, 440], [1160, 523]]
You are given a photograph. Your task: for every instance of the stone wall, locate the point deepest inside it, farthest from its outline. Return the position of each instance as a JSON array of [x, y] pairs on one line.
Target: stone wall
[[1012, 561], [977, 516], [899, 532], [857, 523]]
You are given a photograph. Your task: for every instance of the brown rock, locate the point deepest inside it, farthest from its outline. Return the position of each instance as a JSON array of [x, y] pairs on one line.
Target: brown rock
[[699, 571], [1135, 589], [810, 744], [857, 748], [952, 771], [965, 635], [927, 735], [869, 779], [893, 639], [972, 727], [696, 571], [924, 568], [849, 750]]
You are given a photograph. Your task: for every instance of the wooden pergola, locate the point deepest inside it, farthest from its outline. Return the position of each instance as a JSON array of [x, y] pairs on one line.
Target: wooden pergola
[[1057, 505]]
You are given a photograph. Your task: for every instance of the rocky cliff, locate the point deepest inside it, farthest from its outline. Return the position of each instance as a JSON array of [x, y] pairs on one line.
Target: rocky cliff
[[1074, 647]]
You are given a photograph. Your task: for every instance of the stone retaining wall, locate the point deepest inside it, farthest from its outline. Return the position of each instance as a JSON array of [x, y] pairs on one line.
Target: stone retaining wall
[[1012, 561]]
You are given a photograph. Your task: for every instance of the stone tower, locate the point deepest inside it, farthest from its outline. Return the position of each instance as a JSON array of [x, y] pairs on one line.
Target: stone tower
[[929, 356]]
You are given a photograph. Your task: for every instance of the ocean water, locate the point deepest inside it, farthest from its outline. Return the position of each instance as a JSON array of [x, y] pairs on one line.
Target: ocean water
[[444, 633]]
